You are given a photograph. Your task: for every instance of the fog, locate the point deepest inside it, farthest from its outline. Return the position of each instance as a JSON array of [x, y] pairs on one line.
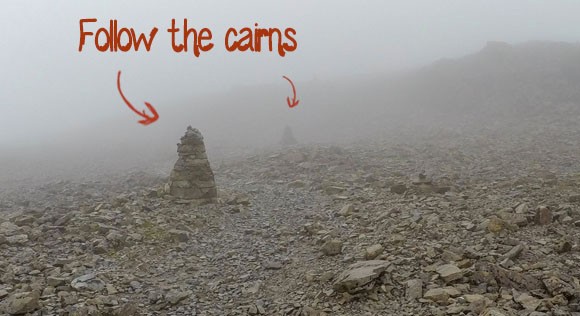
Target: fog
[[58, 104], [402, 158]]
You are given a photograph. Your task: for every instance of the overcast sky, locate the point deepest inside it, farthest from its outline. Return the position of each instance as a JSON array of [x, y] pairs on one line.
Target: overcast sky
[[47, 87]]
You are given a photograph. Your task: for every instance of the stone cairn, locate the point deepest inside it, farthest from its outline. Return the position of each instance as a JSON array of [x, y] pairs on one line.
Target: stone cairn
[[192, 177], [288, 138]]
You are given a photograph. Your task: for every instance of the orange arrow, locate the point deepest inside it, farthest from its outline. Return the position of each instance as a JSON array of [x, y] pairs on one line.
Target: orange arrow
[[146, 118], [294, 102]]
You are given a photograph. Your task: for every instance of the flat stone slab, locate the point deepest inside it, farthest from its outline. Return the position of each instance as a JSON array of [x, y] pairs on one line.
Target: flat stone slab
[[360, 274]]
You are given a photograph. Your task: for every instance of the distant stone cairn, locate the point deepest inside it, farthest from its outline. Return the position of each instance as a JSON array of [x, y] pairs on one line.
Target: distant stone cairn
[[192, 177], [288, 138]]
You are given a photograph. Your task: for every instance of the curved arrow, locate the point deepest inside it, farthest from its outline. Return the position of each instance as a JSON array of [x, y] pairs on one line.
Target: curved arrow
[[294, 102], [146, 118]]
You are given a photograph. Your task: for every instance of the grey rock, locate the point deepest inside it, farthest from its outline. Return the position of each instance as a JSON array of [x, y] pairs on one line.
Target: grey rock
[[522, 208], [438, 295], [359, 275], [128, 309], [332, 247], [25, 220], [527, 301], [414, 289], [20, 239], [557, 286], [67, 298], [543, 215], [88, 282], [273, 265], [449, 272], [373, 251], [55, 281], [9, 229], [296, 184], [22, 303], [494, 311], [63, 220], [398, 188], [563, 246], [179, 235], [346, 210], [176, 296], [332, 189]]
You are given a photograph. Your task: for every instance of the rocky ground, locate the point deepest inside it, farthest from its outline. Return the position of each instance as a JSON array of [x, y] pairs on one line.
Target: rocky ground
[[443, 225]]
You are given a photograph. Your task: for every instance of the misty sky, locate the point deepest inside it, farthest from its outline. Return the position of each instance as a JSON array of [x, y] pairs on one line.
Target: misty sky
[[48, 88]]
